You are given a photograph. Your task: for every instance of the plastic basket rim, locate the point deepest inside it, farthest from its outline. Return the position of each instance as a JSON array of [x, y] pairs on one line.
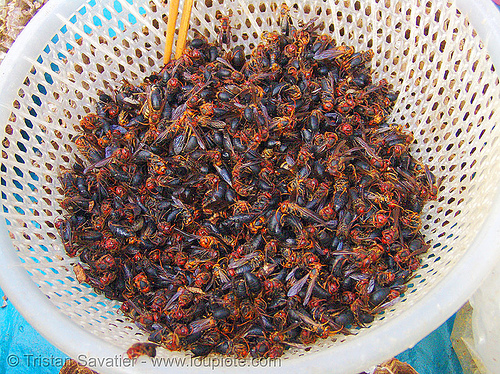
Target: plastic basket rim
[[385, 341]]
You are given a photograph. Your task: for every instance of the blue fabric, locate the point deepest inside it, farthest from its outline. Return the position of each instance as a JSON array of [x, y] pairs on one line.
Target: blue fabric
[[434, 354], [25, 351], [22, 349]]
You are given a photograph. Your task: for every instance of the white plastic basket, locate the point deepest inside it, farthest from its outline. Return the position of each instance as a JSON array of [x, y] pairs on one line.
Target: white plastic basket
[[440, 61]]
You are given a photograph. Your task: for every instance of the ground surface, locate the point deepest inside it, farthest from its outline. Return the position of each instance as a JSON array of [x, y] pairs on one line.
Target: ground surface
[[14, 15]]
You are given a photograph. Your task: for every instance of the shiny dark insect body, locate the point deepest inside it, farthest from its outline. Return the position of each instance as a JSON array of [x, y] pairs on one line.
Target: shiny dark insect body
[[245, 204]]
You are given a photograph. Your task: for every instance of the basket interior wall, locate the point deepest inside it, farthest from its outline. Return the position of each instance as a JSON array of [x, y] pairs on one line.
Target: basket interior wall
[[426, 50]]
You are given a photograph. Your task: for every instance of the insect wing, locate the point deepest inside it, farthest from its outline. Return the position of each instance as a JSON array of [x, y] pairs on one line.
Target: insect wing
[[295, 289]]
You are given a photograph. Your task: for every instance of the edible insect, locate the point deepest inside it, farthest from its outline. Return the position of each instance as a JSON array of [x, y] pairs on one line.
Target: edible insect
[[245, 204]]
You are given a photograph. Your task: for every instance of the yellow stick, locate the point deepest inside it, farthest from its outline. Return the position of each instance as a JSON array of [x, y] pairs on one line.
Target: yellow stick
[[186, 15], [172, 19]]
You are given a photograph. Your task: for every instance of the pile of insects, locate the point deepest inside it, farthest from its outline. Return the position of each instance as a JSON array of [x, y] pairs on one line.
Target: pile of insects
[[247, 204]]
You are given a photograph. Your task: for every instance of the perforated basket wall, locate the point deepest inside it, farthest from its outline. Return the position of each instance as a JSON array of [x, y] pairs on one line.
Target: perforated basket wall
[[428, 51]]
